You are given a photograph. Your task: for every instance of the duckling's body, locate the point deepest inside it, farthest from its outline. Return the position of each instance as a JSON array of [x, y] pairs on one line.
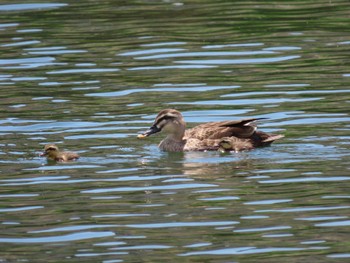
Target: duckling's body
[[52, 152], [212, 136]]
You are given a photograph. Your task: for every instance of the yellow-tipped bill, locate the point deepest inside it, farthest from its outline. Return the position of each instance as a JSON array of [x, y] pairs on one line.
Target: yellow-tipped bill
[[150, 131]]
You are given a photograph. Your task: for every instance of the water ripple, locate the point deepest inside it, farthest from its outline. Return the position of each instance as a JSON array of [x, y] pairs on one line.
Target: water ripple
[[268, 202], [339, 255], [163, 89], [199, 66], [151, 51], [321, 218], [71, 228], [17, 209], [142, 247], [26, 61], [332, 224], [273, 93], [57, 52], [54, 239], [237, 61], [163, 44], [21, 43], [302, 209], [182, 224], [148, 188], [248, 101], [221, 198], [206, 54], [306, 180], [103, 254], [82, 70], [23, 7], [243, 251], [17, 195], [233, 45], [65, 179], [262, 229], [119, 215]]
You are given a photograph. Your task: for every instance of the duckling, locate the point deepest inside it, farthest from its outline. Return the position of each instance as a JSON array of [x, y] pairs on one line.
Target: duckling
[[52, 152], [212, 136]]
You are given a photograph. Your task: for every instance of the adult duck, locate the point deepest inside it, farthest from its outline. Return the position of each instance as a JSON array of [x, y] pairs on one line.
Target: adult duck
[[236, 135]]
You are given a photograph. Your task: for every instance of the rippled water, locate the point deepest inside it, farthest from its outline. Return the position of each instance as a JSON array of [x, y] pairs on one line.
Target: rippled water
[[89, 76]]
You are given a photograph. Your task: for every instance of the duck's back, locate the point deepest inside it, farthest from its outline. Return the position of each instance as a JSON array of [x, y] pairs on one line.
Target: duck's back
[[67, 156], [217, 130]]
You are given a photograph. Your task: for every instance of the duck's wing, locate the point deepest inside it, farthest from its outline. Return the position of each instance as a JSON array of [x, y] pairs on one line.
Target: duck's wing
[[239, 123], [216, 130]]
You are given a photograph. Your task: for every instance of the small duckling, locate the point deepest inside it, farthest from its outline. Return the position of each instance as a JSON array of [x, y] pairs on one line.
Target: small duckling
[[52, 152], [232, 144]]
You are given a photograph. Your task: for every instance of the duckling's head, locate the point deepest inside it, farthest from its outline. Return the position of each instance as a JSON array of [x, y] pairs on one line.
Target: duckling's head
[[50, 150], [225, 145], [169, 121]]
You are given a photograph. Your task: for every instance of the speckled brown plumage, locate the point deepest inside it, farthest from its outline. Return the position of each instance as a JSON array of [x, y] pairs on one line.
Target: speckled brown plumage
[[224, 136], [52, 152]]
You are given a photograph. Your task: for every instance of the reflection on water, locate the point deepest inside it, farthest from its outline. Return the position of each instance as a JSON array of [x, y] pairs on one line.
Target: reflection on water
[[89, 76]]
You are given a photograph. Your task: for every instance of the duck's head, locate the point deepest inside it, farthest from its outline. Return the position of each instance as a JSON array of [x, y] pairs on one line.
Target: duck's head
[[169, 121], [50, 150]]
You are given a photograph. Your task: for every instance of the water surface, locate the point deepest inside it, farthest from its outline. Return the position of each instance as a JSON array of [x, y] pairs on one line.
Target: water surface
[[89, 76]]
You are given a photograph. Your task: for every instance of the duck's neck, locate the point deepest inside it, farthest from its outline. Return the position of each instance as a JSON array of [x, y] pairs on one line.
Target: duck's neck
[[176, 131], [172, 144], [176, 137]]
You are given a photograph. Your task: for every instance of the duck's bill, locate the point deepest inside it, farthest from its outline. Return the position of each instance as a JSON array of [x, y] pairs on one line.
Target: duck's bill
[[42, 154], [154, 129]]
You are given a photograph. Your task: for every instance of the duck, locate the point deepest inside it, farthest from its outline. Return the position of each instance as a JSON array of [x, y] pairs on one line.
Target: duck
[[51, 152], [224, 136]]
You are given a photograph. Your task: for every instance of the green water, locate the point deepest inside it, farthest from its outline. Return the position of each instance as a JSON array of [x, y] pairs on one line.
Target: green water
[[91, 75]]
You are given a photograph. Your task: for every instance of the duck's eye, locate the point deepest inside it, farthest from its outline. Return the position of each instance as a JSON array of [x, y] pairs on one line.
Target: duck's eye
[[166, 117], [161, 122]]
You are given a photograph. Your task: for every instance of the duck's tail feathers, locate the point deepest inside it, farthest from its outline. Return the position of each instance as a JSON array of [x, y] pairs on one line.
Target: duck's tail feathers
[[273, 138]]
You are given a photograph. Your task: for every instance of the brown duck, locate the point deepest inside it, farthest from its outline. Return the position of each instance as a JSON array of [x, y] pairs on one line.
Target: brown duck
[[52, 152], [235, 136]]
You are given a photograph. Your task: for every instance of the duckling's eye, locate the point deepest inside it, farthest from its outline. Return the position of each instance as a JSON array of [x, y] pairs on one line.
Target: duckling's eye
[[51, 149]]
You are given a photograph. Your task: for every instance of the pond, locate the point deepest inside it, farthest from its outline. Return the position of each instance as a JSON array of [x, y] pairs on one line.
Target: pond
[[89, 76]]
